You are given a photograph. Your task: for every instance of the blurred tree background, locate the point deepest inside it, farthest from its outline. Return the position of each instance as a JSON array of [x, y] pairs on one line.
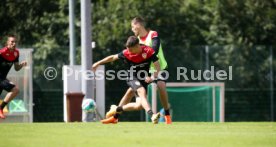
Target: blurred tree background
[[239, 33]]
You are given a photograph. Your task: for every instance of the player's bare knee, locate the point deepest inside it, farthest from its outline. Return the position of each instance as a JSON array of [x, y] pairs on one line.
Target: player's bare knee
[[15, 91], [161, 85], [135, 107], [139, 107], [141, 91]]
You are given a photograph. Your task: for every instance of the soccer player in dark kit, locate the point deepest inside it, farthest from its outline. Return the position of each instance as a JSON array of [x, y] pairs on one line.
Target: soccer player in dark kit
[[9, 56], [138, 57]]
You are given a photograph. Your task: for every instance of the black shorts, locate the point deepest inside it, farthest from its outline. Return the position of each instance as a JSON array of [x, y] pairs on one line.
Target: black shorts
[[134, 84], [162, 76], [6, 85]]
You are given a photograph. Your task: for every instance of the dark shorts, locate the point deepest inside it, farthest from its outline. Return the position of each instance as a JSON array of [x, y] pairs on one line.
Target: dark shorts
[[6, 85], [162, 76], [134, 84]]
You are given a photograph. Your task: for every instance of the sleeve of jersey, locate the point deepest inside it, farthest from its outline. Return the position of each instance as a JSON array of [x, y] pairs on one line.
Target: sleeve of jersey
[[154, 58], [17, 58], [155, 42], [121, 55]]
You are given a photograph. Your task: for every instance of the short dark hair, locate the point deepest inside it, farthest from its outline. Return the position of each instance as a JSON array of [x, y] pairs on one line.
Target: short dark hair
[[4, 40], [140, 20], [132, 41], [11, 35]]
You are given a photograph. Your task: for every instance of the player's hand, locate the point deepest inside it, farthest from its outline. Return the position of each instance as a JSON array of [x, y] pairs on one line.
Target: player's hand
[[23, 63], [148, 80], [94, 67]]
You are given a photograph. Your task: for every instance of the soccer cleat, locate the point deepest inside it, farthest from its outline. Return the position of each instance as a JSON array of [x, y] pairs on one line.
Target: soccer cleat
[[111, 112], [110, 120], [155, 118], [168, 119], [2, 114]]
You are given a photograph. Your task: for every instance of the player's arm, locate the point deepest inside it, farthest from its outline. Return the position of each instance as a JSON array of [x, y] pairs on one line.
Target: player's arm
[[107, 59], [156, 44], [156, 64], [157, 69], [18, 66], [155, 73]]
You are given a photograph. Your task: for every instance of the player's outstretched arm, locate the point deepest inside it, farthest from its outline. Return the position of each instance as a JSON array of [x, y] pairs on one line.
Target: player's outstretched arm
[[18, 66], [107, 59]]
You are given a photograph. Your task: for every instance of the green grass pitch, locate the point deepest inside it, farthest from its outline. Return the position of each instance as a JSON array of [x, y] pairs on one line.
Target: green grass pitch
[[127, 134]]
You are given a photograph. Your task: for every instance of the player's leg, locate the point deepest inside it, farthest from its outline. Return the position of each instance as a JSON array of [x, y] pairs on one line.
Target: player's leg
[[12, 93], [115, 111], [164, 100], [163, 94], [127, 97], [125, 100], [138, 87], [1, 109], [141, 92], [145, 104], [113, 114], [161, 84], [134, 106]]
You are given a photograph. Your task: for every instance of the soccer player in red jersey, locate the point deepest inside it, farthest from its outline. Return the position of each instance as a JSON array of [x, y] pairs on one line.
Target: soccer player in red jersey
[[9, 56], [138, 57], [149, 38]]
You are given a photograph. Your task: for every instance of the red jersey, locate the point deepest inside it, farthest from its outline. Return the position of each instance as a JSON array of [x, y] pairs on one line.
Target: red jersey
[[140, 61], [7, 59]]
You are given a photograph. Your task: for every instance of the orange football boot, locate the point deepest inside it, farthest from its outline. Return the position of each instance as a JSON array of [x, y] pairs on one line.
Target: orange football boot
[[2, 114], [168, 119], [110, 120]]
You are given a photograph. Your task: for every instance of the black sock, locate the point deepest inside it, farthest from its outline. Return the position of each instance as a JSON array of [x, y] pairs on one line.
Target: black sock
[[119, 109], [167, 112], [3, 105], [150, 113], [116, 116]]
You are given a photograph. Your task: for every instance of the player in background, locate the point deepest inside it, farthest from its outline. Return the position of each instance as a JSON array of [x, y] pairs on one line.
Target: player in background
[[149, 38], [138, 58], [9, 55]]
